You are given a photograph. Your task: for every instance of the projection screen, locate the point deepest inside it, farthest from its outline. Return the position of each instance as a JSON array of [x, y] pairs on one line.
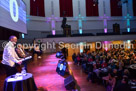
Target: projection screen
[[13, 15]]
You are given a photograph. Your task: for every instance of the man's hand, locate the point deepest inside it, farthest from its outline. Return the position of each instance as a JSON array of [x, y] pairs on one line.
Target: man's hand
[[20, 62]]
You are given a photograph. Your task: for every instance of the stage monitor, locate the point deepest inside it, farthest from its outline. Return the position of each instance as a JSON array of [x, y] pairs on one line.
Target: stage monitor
[[13, 15], [61, 68]]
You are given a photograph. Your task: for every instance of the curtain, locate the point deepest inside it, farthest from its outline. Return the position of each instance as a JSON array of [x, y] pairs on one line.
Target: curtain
[[116, 9], [37, 8], [134, 7], [33, 8], [91, 9], [66, 8]]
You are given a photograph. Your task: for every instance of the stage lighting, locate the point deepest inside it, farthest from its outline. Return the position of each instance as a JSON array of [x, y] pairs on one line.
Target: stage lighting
[[58, 54]]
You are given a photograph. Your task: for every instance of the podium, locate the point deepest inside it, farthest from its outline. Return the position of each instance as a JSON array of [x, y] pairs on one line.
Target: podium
[[67, 30], [116, 28]]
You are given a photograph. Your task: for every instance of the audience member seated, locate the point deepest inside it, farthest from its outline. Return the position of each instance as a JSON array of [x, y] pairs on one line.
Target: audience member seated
[[20, 51], [37, 51], [74, 56], [78, 59], [123, 86], [110, 82], [22, 54], [104, 64], [115, 62], [126, 73], [94, 74]]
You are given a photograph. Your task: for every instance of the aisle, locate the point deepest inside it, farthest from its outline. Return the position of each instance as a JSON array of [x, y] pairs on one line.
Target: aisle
[[80, 77], [45, 76]]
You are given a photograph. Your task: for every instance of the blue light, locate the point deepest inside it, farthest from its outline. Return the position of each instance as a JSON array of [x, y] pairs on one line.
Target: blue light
[[128, 22], [23, 36], [80, 23], [80, 26], [81, 47], [128, 29], [128, 41], [80, 31], [81, 50], [58, 54]]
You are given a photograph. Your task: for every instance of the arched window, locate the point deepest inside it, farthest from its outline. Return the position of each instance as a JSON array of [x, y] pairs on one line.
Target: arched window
[[66, 8], [37, 8], [134, 7], [92, 8], [116, 7]]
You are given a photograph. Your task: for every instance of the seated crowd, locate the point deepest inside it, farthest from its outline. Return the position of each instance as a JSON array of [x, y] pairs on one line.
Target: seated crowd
[[110, 68]]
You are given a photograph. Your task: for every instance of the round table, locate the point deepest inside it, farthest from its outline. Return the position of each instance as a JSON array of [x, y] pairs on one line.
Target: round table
[[21, 83]]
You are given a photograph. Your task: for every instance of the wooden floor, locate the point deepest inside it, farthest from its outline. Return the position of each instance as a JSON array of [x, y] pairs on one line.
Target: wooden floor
[[46, 78]]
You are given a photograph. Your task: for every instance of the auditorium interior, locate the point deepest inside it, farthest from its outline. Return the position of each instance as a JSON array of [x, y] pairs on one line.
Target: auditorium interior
[[67, 45]]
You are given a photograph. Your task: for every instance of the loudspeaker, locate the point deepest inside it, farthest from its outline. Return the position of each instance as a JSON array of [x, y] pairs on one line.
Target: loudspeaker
[[61, 67], [69, 83], [116, 28]]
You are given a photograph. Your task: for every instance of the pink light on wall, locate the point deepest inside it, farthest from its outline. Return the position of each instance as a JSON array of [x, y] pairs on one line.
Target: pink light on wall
[[106, 49], [105, 30], [106, 45], [53, 32], [53, 24], [105, 18]]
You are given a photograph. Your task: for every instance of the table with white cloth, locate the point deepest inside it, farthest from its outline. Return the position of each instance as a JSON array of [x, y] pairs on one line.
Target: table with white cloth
[[20, 83]]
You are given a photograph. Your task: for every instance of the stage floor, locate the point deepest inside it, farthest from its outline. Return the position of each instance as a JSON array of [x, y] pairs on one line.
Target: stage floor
[[46, 78]]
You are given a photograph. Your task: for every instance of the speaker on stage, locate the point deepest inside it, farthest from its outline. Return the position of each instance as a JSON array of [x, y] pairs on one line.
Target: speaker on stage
[[64, 21], [69, 83], [116, 28], [61, 67]]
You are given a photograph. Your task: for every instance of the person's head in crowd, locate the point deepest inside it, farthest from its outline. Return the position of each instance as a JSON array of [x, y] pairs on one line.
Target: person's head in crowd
[[124, 80], [109, 69], [126, 72], [37, 45], [120, 68], [78, 54], [115, 71], [19, 45], [111, 75], [101, 58], [94, 66], [74, 53], [85, 58], [13, 39]]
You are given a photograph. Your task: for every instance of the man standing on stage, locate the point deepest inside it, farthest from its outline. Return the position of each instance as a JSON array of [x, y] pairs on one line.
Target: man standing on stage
[[10, 57]]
